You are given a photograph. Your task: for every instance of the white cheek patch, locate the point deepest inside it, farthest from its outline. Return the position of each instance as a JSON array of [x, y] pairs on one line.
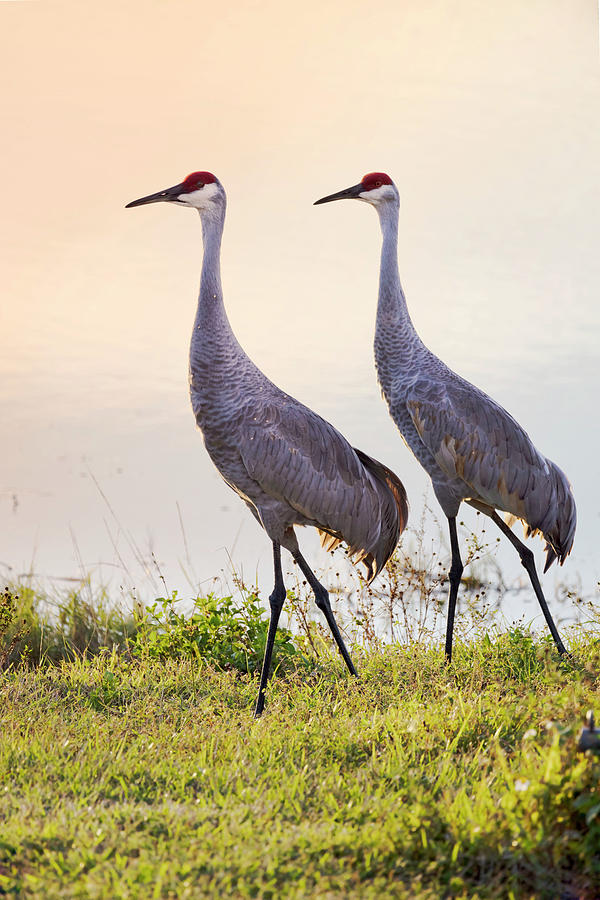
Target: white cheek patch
[[210, 191], [385, 192], [201, 197]]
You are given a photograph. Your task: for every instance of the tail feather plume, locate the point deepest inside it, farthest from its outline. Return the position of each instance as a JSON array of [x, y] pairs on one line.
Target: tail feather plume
[[394, 523], [394, 516], [559, 538], [556, 521]]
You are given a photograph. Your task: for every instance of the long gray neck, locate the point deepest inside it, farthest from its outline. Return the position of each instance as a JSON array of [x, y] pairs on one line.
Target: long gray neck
[[396, 340], [210, 315], [214, 350]]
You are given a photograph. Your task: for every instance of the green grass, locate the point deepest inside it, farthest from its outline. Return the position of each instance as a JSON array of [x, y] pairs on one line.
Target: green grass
[[125, 776]]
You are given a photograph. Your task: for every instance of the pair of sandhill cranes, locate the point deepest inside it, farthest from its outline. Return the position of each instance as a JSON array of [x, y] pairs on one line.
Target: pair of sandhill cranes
[[291, 467]]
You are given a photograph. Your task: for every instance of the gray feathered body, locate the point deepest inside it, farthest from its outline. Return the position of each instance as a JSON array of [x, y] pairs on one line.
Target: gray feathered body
[[287, 463], [471, 447]]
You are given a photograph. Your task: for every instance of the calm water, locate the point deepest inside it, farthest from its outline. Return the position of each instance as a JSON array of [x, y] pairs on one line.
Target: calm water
[[495, 149], [107, 475]]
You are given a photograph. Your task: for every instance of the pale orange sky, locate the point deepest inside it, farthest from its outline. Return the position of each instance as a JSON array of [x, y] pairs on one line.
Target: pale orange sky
[[485, 116]]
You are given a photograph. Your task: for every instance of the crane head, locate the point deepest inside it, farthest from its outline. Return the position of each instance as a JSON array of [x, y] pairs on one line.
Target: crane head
[[201, 190], [375, 188]]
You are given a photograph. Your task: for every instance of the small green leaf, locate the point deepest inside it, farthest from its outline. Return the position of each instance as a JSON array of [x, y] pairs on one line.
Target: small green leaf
[[592, 813]]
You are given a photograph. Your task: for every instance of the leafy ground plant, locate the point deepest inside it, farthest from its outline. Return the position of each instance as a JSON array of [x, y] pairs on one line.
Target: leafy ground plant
[[230, 634]]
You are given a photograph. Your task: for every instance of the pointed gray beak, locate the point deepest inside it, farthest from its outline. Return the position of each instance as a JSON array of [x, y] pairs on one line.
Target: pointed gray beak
[[349, 194], [170, 194]]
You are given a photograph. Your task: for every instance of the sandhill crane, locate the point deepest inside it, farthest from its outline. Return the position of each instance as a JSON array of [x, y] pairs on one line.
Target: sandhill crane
[[289, 465], [471, 447]]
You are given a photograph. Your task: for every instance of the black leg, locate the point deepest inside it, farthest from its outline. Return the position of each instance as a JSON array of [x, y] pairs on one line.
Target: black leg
[[456, 570], [529, 564], [276, 602], [322, 600]]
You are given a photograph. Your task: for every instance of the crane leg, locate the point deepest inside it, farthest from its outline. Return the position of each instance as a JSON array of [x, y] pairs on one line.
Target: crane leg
[[276, 602], [455, 574], [528, 562], [322, 601]]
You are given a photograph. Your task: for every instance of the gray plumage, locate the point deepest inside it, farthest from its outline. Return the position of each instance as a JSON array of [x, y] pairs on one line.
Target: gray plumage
[[289, 465], [475, 451], [471, 447]]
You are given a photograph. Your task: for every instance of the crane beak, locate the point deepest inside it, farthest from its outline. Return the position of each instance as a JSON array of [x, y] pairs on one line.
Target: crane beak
[[171, 194], [351, 193]]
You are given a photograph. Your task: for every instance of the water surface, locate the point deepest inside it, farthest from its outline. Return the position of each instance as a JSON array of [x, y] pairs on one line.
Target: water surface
[[488, 122]]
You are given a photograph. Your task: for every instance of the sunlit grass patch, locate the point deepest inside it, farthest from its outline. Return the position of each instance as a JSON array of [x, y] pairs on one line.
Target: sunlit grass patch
[[131, 766], [136, 777]]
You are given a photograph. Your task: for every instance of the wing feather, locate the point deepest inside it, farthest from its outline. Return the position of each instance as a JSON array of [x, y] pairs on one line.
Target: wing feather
[[473, 438], [299, 458]]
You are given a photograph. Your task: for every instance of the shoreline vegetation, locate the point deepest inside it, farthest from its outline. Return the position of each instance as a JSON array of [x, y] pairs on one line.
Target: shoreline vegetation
[[130, 765]]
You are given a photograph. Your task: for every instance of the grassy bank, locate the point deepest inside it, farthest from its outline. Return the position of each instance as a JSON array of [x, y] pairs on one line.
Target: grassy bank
[[142, 774]]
